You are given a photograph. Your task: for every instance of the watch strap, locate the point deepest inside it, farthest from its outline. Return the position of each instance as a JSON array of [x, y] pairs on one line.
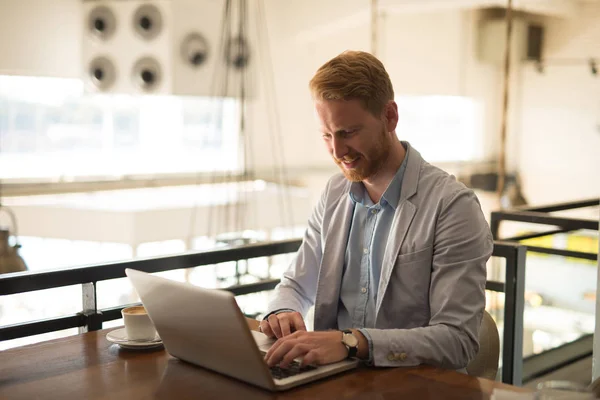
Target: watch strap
[[352, 351]]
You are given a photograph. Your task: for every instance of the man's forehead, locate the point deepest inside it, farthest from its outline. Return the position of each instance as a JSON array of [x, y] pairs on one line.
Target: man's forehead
[[354, 104], [340, 111]]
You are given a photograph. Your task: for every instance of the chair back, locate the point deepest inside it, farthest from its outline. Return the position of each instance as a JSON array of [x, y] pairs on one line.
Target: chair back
[[594, 387], [485, 363]]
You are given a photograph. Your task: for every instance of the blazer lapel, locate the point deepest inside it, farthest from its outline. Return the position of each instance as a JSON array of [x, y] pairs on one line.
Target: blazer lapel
[[405, 212], [402, 219], [332, 264]]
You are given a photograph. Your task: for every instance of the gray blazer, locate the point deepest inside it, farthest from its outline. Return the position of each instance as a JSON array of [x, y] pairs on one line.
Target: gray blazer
[[431, 292]]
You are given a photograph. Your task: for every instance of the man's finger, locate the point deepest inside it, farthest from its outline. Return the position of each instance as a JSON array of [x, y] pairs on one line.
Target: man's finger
[[311, 358], [272, 349], [266, 329], [284, 324], [298, 321], [298, 350], [277, 351], [274, 324]]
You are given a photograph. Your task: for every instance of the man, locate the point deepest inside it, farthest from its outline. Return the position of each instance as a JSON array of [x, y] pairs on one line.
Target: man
[[395, 251]]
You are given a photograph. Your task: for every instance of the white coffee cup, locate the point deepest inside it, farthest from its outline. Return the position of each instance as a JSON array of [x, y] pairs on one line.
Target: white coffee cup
[[138, 325]]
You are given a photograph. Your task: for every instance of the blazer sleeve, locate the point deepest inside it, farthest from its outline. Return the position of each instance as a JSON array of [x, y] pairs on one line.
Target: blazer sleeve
[[462, 245], [298, 286]]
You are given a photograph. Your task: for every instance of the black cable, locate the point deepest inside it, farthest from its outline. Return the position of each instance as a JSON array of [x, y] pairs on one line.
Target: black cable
[[248, 84], [242, 199], [215, 96], [222, 211], [278, 152]]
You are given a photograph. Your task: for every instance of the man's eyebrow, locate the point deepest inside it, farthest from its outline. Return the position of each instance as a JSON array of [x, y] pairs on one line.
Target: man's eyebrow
[[341, 131], [350, 128]]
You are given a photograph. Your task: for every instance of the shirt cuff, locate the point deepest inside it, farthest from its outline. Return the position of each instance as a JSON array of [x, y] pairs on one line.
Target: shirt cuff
[[278, 311], [365, 333]]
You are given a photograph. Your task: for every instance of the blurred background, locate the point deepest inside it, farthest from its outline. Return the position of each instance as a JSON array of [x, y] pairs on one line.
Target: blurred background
[[133, 129]]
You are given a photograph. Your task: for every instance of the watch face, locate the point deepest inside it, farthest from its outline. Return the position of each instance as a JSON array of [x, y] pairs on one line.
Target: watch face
[[350, 340]]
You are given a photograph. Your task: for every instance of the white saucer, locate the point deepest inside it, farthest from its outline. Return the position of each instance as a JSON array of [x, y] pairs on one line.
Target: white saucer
[[119, 337]]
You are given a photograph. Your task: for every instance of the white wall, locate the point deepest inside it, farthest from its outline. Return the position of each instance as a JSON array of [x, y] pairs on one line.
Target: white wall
[[554, 120], [425, 54], [559, 127], [40, 37]]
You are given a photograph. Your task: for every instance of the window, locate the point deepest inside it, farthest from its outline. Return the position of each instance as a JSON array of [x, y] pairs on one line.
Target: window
[[50, 129], [441, 128]]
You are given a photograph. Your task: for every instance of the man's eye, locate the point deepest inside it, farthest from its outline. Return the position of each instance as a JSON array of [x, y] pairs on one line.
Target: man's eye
[[326, 136]]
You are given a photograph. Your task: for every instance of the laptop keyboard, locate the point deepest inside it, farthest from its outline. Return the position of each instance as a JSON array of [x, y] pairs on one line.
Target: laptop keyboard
[[292, 369]]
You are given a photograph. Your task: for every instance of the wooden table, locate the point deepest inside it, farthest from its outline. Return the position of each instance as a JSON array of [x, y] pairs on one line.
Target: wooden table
[[88, 366]]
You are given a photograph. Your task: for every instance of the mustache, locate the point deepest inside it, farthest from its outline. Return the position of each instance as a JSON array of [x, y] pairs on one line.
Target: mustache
[[347, 158]]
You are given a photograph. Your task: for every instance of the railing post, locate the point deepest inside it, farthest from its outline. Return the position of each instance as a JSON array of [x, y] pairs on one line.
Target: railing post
[[495, 225], [93, 317], [514, 306]]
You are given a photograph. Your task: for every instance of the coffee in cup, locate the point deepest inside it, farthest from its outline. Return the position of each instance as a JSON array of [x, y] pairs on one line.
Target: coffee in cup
[[138, 325]]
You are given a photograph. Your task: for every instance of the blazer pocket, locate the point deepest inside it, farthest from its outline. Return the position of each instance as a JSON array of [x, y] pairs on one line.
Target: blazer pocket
[[420, 256], [410, 282]]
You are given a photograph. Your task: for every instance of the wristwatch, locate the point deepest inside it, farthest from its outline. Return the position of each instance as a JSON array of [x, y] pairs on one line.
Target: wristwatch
[[351, 342]]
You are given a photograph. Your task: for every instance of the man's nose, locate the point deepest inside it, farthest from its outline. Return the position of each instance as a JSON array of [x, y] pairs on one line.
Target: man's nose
[[339, 148]]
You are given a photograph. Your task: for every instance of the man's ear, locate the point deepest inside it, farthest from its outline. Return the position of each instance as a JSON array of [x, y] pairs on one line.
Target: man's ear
[[390, 116]]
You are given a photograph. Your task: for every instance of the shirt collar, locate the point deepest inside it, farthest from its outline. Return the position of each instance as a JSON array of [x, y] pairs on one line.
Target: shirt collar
[[391, 194], [357, 194]]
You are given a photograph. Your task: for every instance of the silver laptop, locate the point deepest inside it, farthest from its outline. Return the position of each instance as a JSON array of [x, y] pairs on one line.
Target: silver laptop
[[205, 327]]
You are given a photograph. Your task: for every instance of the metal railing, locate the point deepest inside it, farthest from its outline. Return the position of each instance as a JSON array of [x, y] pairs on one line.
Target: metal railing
[[537, 365], [91, 318], [541, 215], [514, 308]]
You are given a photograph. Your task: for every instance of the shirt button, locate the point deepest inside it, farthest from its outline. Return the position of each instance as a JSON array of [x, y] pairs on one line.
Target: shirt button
[[374, 211], [363, 290], [365, 251]]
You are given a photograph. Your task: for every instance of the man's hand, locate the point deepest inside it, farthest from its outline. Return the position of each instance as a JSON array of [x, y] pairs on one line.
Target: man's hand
[[282, 324], [316, 348]]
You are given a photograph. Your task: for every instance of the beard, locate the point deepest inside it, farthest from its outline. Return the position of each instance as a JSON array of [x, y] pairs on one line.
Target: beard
[[370, 162]]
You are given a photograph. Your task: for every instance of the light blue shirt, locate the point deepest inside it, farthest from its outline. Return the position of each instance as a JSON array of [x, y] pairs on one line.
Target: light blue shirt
[[364, 253]]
